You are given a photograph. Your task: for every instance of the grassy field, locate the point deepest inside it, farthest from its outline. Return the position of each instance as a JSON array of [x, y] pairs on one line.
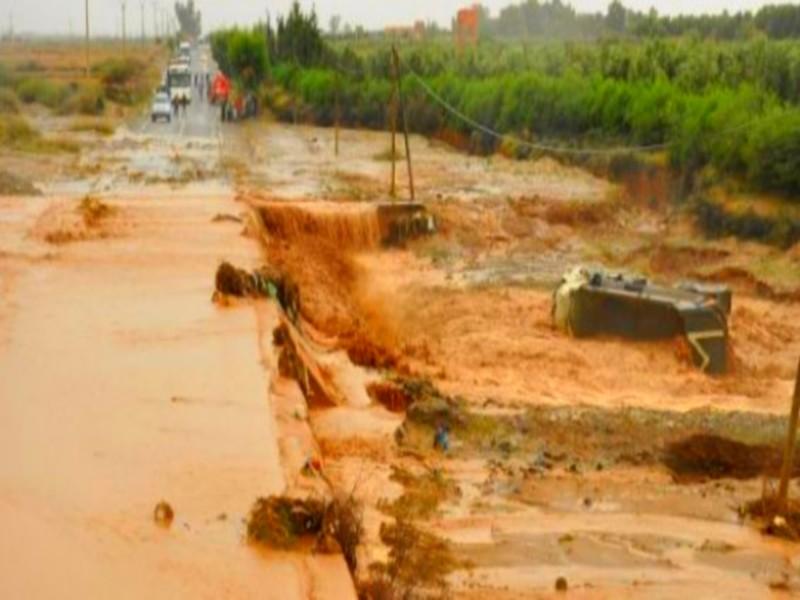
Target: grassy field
[[51, 76]]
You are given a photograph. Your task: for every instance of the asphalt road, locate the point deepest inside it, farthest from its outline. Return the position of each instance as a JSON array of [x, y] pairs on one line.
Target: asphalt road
[[200, 119]]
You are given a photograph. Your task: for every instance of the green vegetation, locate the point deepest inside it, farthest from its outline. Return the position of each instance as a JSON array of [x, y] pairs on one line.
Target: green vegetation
[[42, 91], [124, 80], [532, 18], [242, 55], [17, 134]]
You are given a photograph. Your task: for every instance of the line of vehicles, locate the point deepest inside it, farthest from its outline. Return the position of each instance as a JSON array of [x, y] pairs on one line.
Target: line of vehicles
[[180, 83], [176, 87]]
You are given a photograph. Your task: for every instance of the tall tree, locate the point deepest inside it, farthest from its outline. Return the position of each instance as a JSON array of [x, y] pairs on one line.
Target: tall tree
[[189, 19]]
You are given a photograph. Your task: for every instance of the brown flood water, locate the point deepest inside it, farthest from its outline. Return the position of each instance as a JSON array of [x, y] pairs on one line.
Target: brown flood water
[[121, 384]]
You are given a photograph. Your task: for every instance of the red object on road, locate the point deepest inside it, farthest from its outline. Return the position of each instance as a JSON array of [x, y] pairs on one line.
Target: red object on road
[[220, 88]]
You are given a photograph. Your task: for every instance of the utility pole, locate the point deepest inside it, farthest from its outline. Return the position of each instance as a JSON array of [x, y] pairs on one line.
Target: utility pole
[[399, 96], [86, 40], [336, 114], [155, 20], [393, 120], [789, 450], [124, 36]]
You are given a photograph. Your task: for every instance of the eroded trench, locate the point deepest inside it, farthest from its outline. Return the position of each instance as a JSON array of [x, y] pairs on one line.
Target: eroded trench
[[333, 343]]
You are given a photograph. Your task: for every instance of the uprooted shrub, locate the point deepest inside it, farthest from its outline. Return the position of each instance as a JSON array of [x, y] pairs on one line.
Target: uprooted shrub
[[336, 524], [279, 522]]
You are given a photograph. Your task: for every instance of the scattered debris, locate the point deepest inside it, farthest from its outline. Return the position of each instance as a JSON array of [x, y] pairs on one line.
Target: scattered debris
[[264, 282], [65, 222], [777, 521], [226, 218], [705, 456], [279, 521], [336, 524]]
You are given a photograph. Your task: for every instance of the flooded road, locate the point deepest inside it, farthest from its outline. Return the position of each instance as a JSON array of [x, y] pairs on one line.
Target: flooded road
[[123, 385]]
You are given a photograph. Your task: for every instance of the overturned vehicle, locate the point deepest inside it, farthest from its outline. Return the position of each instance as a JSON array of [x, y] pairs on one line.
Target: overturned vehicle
[[595, 302]]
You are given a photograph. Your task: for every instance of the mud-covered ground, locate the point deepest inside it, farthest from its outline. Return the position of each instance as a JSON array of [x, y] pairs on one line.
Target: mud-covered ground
[[561, 470]]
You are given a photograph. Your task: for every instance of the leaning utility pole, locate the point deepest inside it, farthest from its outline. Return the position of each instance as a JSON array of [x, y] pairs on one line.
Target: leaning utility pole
[[789, 450], [86, 41], [403, 116]]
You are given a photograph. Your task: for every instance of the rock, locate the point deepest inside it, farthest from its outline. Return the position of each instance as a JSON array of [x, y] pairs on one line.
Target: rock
[[561, 584], [163, 514]]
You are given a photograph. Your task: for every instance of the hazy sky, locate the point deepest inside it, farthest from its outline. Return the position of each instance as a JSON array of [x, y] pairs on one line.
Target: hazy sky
[[62, 16]]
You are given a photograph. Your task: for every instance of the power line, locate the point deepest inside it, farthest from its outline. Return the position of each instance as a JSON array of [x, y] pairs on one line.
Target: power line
[[545, 147], [524, 143]]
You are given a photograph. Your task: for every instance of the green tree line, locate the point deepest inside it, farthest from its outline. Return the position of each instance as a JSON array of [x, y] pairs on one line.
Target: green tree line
[[556, 19], [725, 104]]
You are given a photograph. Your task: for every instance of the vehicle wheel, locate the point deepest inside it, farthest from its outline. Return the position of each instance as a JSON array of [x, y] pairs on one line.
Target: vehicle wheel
[[153, 118]]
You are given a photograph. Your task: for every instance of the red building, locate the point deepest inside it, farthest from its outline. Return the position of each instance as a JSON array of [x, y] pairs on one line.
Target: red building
[[467, 25]]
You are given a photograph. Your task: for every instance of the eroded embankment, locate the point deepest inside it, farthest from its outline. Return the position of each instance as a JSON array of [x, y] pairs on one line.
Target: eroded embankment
[[314, 245], [519, 452]]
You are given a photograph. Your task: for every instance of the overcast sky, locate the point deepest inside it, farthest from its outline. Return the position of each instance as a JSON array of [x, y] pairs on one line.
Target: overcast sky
[[63, 16]]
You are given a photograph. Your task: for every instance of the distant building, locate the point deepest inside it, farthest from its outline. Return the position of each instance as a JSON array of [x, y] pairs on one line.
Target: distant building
[[467, 25], [414, 32]]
